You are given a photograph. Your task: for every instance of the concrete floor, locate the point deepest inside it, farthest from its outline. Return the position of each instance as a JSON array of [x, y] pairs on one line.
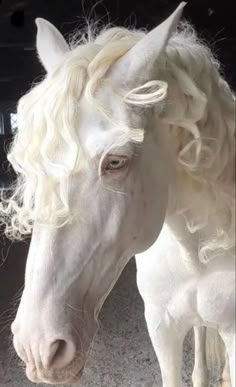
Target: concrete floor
[[122, 355]]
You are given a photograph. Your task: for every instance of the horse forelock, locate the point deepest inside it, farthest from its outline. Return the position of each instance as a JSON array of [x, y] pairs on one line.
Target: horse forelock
[[46, 150]]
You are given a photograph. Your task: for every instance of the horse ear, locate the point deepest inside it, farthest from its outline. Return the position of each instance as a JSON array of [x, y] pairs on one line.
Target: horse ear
[[143, 56], [51, 45]]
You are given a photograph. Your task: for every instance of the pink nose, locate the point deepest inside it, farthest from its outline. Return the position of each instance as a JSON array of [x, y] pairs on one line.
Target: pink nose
[[58, 354]]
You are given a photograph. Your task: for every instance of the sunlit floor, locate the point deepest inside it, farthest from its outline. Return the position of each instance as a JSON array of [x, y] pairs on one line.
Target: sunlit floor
[[122, 355]]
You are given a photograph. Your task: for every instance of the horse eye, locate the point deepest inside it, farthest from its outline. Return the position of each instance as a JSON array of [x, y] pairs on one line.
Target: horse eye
[[114, 163]]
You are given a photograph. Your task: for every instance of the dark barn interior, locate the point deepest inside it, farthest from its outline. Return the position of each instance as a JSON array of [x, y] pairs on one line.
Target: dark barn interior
[[122, 354]]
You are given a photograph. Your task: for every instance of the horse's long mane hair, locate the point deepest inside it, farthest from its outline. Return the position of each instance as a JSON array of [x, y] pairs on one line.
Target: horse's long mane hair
[[202, 117], [199, 108]]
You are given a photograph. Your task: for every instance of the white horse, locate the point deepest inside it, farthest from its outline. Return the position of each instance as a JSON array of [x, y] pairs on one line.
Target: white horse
[[127, 131]]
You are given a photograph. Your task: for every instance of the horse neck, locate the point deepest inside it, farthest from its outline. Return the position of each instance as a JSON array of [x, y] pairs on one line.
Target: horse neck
[[177, 221]]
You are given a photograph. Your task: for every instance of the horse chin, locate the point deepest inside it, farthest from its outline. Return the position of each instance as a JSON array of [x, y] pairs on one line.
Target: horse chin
[[71, 380]]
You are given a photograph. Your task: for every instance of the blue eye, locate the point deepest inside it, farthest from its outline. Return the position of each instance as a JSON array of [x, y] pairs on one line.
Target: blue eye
[[114, 163]]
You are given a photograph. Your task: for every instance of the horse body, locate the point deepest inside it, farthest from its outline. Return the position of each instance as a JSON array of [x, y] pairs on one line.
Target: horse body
[[177, 299], [121, 136]]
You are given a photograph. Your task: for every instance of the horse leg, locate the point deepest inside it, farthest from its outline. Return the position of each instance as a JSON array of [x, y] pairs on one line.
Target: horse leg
[[226, 373], [200, 376], [167, 340], [229, 341]]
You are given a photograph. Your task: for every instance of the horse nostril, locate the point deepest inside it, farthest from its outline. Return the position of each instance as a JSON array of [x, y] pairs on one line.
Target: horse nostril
[[62, 352]]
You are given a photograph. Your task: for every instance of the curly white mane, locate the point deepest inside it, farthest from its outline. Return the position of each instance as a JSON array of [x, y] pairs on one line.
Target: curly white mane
[[200, 111]]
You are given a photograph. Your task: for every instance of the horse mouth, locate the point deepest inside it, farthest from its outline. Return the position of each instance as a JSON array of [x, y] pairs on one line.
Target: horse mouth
[[73, 378], [66, 378]]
